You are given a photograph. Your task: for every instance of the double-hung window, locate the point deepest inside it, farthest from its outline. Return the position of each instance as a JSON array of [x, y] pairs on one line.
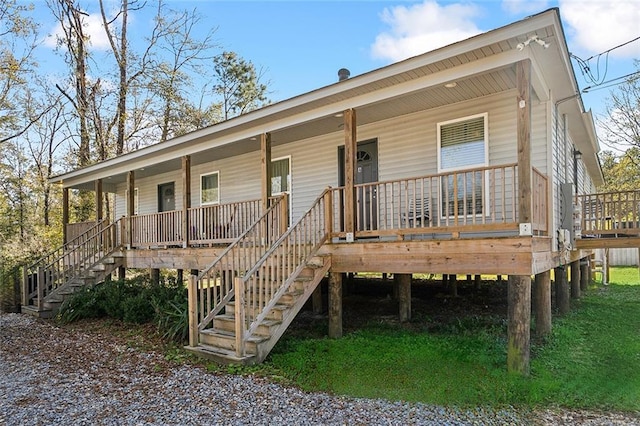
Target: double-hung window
[[210, 188], [462, 145], [281, 176]]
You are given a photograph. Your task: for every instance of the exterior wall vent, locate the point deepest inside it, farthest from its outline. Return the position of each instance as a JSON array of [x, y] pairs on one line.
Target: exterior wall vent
[[343, 74]]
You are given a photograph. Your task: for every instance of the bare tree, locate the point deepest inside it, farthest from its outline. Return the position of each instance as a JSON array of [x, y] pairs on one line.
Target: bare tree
[[622, 123]]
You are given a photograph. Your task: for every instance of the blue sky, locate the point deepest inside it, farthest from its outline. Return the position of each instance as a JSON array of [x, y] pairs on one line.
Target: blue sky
[[300, 45]]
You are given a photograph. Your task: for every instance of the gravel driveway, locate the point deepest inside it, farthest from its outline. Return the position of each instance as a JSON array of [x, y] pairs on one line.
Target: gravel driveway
[[51, 375]]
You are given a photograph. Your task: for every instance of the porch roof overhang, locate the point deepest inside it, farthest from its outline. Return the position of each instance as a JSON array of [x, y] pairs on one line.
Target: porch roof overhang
[[480, 66]]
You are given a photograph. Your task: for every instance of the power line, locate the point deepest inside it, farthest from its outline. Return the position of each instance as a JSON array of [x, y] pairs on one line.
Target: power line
[[597, 79], [601, 85]]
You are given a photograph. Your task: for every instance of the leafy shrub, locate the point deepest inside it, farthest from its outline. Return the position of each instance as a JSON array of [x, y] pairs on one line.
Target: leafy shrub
[[137, 309]]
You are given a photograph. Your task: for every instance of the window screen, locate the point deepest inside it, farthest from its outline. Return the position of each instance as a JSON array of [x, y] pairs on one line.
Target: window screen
[[210, 189]]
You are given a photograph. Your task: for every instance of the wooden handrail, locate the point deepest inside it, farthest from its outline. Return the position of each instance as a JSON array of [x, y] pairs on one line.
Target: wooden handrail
[[55, 269], [214, 285], [610, 212], [258, 290]]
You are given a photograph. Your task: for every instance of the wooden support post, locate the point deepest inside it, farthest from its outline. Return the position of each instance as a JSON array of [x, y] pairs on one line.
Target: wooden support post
[[284, 213], [477, 282], [122, 272], [350, 150], [99, 205], [25, 285], [186, 198], [316, 300], [335, 305], [192, 290], [180, 276], [575, 279], [519, 318], [404, 296], [265, 168], [41, 286], [453, 285], [523, 129], [238, 287], [562, 290], [155, 276], [65, 213], [543, 303], [584, 274], [328, 213], [130, 205]]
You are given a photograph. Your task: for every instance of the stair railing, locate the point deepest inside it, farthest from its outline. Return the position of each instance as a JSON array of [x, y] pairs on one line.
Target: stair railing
[[258, 291], [69, 260], [212, 289]]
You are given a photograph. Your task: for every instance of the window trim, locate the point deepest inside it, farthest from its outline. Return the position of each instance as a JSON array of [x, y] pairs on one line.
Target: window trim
[[439, 125], [210, 203], [136, 201], [290, 182], [485, 163]]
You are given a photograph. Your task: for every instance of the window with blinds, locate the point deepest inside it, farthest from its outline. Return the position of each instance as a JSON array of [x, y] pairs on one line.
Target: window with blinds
[[462, 145], [280, 176], [210, 188]]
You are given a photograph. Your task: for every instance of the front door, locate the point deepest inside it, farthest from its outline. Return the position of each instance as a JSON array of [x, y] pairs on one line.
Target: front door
[[166, 197], [366, 172]]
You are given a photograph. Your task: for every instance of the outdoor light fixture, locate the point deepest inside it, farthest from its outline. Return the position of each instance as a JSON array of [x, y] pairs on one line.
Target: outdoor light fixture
[[577, 154], [534, 38], [451, 85]]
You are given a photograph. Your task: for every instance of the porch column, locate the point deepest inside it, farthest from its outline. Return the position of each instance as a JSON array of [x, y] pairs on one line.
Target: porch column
[[130, 205], [575, 279], [519, 318], [562, 290], [584, 274], [404, 296], [335, 305], [99, 206], [350, 149], [65, 213], [523, 82], [265, 164], [543, 303], [186, 198]]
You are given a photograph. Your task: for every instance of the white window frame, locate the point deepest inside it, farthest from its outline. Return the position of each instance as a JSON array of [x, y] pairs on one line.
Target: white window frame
[[136, 202], [484, 163], [210, 203], [289, 177]]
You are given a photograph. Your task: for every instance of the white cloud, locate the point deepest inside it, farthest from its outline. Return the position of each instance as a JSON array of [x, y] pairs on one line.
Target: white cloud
[[423, 27], [524, 6], [596, 26], [92, 26]]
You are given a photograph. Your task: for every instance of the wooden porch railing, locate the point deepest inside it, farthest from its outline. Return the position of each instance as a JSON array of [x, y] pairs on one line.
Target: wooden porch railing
[[68, 261], [610, 213], [157, 229], [74, 230], [213, 288], [476, 199], [262, 286], [222, 222]]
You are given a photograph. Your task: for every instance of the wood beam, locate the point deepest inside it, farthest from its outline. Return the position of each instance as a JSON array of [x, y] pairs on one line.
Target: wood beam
[[519, 318], [65, 213], [523, 123], [335, 305], [131, 184], [186, 197], [99, 201], [543, 303], [265, 167], [316, 300], [404, 296], [350, 149], [575, 279]]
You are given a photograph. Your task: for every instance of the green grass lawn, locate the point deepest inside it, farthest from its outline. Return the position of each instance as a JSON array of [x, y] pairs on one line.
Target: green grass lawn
[[591, 360]]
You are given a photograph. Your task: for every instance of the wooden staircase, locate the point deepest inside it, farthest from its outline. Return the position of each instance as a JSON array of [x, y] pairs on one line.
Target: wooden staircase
[[85, 261], [219, 342], [244, 302]]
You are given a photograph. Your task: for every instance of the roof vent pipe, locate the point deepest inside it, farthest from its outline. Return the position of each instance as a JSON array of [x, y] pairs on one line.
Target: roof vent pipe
[[343, 74]]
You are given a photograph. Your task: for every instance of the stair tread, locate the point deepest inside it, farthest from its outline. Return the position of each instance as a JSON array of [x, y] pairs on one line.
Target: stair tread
[[226, 354], [213, 332], [226, 317]]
